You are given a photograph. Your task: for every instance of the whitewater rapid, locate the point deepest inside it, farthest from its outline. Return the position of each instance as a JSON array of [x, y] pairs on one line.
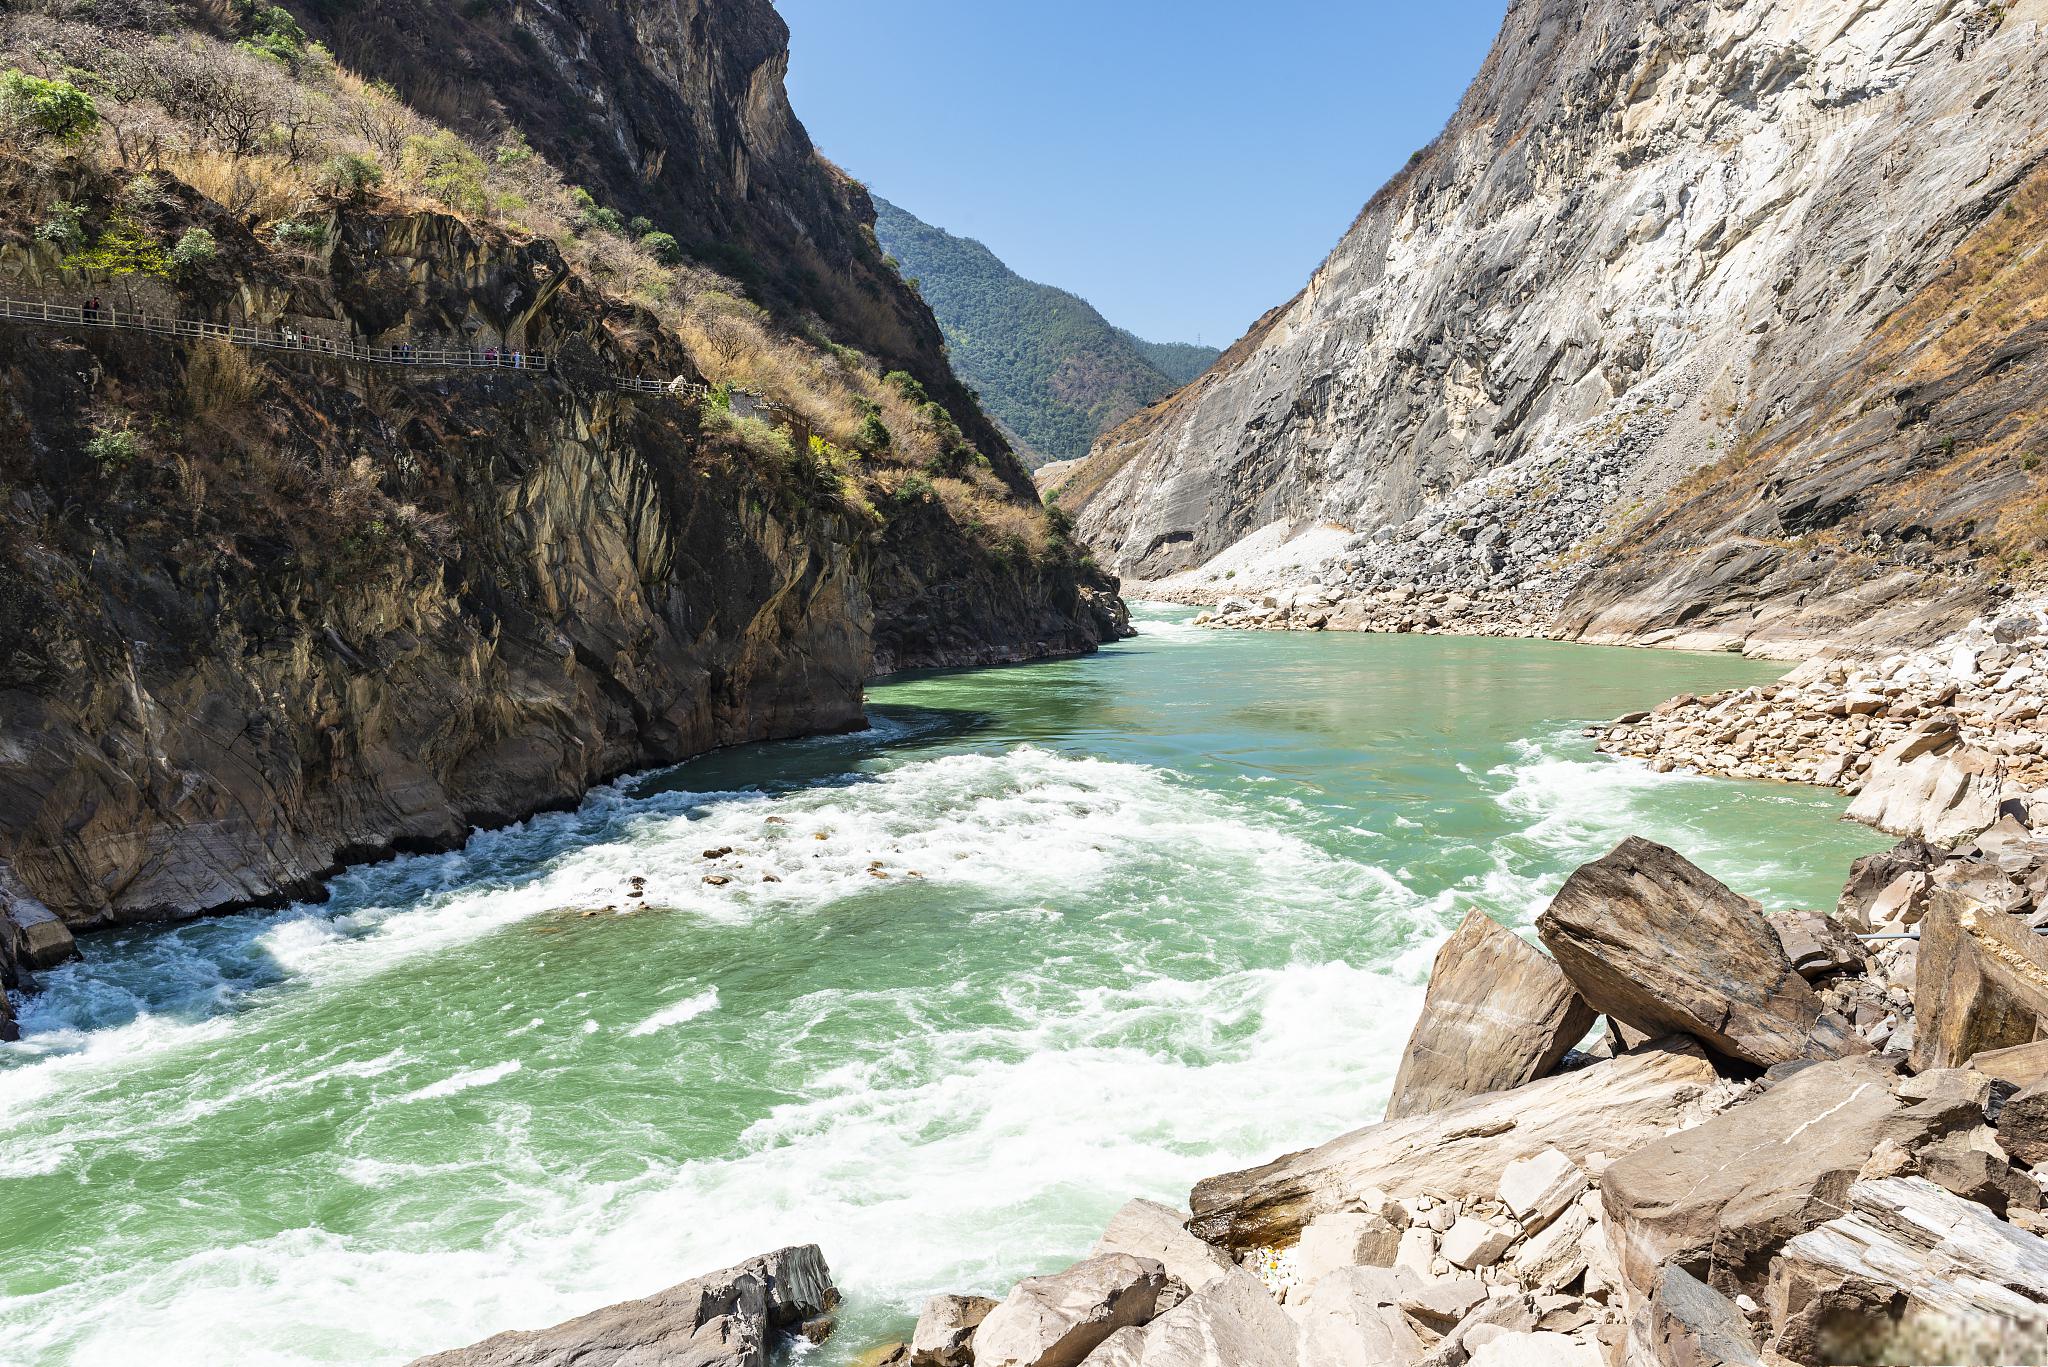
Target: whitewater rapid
[[952, 1003]]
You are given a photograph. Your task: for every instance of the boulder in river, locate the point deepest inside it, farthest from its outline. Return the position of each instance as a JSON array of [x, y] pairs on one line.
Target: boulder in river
[[1498, 1014], [945, 1331], [1146, 1229], [1652, 940], [723, 1319]]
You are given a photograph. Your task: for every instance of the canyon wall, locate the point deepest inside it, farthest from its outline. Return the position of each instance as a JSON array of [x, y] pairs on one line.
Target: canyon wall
[[1709, 324]]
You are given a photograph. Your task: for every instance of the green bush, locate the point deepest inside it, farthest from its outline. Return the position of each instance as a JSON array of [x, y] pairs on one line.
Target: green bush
[[65, 227], [299, 232], [873, 435], [592, 216], [56, 110], [513, 149], [195, 249], [640, 226], [664, 248], [112, 451], [125, 247], [443, 166], [350, 177], [915, 489], [273, 33]]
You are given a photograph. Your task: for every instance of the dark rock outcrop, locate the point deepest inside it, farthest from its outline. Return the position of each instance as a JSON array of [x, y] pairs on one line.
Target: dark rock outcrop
[[381, 608], [731, 1318]]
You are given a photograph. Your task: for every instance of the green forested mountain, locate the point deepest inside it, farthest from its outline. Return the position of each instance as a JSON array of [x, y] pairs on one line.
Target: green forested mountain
[[1051, 368], [1180, 362]]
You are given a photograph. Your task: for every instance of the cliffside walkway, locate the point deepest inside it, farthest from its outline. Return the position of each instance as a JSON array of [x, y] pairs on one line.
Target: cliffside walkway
[[746, 403]]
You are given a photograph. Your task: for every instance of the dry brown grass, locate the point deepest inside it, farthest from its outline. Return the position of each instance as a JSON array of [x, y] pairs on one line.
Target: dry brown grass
[[220, 379]]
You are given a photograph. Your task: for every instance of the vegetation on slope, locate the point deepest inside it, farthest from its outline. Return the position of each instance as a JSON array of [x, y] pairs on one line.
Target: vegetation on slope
[[175, 149], [1052, 369]]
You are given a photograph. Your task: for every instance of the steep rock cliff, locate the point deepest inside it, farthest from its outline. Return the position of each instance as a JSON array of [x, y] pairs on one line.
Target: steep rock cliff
[[263, 614], [674, 109], [1790, 245]]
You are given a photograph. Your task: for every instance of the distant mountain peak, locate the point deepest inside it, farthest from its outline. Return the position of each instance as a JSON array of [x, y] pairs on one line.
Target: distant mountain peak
[[1049, 367]]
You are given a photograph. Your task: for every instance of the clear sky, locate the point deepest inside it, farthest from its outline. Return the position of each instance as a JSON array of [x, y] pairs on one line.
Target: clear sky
[[1182, 164]]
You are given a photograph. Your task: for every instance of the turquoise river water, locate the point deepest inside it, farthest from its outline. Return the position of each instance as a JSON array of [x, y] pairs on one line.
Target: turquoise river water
[[1176, 904]]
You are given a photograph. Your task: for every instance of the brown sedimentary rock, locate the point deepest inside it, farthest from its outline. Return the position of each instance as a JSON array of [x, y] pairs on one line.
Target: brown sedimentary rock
[[1498, 1013], [1655, 942]]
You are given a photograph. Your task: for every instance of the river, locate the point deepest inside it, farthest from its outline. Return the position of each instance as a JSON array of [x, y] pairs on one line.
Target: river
[[1041, 939]]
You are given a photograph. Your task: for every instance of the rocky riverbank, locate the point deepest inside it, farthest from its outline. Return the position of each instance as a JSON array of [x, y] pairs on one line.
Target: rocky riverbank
[[1688, 1135], [1664, 1193]]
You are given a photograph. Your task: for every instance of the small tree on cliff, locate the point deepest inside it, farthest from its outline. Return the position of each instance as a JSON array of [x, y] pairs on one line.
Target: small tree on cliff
[[36, 110]]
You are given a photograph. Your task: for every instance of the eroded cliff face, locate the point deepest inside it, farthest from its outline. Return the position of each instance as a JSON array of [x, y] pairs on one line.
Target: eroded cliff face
[[674, 109], [308, 612], [1790, 249]]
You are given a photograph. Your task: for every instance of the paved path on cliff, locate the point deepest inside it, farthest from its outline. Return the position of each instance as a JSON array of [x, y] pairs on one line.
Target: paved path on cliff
[[746, 403]]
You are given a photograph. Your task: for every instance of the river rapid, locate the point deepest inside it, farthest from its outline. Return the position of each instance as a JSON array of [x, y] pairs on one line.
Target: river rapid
[[1039, 940]]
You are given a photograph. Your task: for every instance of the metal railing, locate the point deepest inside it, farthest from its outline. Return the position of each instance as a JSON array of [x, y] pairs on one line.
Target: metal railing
[[747, 403], [282, 339]]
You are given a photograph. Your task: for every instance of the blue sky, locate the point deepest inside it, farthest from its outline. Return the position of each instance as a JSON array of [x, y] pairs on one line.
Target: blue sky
[[1183, 164]]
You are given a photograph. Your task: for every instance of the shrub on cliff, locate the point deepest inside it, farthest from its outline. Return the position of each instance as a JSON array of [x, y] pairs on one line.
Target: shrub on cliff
[[33, 109], [664, 248], [350, 177], [442, 166], [196, 248], [125, 247]]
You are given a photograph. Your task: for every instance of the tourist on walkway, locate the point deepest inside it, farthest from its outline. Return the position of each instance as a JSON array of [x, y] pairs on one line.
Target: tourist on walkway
[[92, 309]]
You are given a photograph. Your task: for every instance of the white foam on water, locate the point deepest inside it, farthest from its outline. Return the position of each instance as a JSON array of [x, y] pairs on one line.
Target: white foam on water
[[688, 1009], [949, 1156], [1006, 1150], [467, 1080]]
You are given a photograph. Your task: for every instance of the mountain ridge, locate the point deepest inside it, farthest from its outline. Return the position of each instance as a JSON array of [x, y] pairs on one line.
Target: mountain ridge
[[1651, 237], [1047, 363]]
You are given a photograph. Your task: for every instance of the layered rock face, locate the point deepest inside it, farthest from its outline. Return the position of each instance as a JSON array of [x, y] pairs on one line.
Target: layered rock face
[[377, 608], [1704, 324], [676, 111]]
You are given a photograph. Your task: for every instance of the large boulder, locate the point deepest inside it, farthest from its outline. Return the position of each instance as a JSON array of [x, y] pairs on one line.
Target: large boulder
[[944, 1336], [2023, 1125], [1818, 946], [1690, 1324], [1981, 984], [1460, 1152], [1655, 942], [1944, 793], [1146, 1229], [1498, 1014], [1720, 1199], [1354, 1317], [1232, 1322], [38, 937], [1058, 1320], [726, 1319], [2021, 1065], [1911, 1273]]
